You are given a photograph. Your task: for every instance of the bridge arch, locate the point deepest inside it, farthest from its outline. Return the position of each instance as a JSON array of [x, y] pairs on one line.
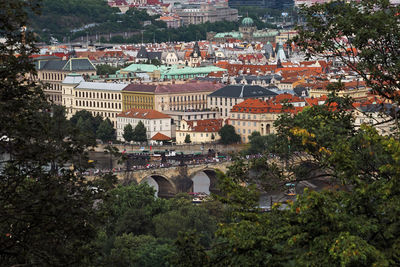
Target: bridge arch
[[204, 181], [163, 186]]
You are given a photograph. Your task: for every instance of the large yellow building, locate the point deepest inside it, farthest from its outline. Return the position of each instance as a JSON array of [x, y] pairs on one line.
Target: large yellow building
[[168, 97], [138, 96]]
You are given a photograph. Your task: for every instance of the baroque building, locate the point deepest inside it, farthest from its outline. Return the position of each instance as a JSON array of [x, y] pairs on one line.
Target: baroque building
[[247, 33]]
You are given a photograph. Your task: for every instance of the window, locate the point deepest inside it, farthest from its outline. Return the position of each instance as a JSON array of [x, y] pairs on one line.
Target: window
[[249, 131], [233, 122], [255, 124], [238, 131]]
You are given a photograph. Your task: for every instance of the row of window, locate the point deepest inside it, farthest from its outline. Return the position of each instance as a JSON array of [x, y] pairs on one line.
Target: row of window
[[136, 121], [56, 87], [97, 104], [243, 131], [194, 134], [140, 99], [98, 95], [185, 98], [233, 115], [244, 123], [53, 76], [186, 107]]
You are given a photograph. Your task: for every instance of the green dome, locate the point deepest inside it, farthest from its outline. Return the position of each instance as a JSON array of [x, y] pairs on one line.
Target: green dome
[[247, 22]]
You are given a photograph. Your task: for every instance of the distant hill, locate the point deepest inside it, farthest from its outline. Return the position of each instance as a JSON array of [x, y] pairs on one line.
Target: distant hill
[[72, 18]]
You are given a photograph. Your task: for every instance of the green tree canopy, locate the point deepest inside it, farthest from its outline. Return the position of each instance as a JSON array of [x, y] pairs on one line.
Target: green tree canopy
[[47, 215], [228, 135], [140, 133], [187, 139], [128, 134], [105, 69], [106, 131]]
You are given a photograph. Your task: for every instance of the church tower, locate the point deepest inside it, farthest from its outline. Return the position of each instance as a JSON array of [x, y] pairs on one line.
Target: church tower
[[195, 56], [247, 29]]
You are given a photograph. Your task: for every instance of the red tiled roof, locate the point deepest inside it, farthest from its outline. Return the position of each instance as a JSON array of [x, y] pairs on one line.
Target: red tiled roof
[[143, 114], [160, 137], [208, 125], [137, 87]]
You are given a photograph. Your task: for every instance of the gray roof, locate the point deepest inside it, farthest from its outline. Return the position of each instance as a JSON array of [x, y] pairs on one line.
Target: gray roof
[[73, 78], [243, 91], [102, 86], [142, 53], [73, 64]]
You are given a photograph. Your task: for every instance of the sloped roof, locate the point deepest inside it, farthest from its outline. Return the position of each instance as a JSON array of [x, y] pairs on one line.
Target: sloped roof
[[73, 78], [160, 137], [73, 64], [190, 87], [148, 88], [143, 114], [207, 125], [243, 91], [142, 53], [102, 86]]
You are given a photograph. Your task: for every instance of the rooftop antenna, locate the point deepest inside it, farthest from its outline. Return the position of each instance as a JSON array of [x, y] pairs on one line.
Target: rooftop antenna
[[154, 37]]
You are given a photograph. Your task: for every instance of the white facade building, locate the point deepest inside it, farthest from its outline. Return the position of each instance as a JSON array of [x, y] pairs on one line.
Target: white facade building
[[158, 125]]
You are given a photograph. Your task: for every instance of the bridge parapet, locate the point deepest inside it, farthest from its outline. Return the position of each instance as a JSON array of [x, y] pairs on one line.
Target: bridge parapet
[[174, 179]]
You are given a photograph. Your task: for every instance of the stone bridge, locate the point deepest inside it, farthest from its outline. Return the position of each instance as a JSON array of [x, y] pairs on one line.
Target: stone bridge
[[177, 179]]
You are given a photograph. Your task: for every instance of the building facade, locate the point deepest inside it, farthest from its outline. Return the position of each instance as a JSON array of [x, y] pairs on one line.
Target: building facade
[[53, 72], [200, 131], [156, 123], [224, 99], [206, 12], [247, 33], [103, 99]]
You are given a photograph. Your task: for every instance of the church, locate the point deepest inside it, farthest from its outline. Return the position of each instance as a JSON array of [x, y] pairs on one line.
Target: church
[[247, 33]]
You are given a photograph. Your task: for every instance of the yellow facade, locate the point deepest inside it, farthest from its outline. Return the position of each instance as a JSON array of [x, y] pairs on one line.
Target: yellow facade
[[355, 93], [140, 100], [245, 124]]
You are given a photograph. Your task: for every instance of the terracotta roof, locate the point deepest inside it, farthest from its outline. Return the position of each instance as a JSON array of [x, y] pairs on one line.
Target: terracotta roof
[[134, 87], [143, 114], [208, 125], [160, 137]]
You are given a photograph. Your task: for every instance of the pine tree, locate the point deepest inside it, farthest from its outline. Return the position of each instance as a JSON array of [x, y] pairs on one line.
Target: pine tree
[[106, 131], [128, 134], [187, 139], [140, 133]]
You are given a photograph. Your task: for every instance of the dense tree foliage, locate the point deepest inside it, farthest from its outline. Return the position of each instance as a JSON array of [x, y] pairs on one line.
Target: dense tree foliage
[[228, 135], [105, 69], [187, 139], [139, 133], [128, 134], [46, 216], [354, 220], [140, 229], [106, 131], [92, 128], [72, 19], [364, 35]]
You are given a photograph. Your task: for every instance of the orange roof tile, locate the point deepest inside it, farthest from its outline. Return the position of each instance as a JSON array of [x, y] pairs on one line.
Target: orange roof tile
[[143, 114], [160, 137]]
